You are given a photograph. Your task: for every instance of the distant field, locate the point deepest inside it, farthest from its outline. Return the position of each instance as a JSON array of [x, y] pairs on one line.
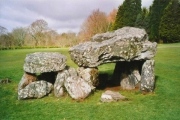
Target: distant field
[[163, 104]]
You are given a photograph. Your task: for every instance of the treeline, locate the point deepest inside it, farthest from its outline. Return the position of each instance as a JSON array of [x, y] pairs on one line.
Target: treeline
[[161, 21], [36, 35]]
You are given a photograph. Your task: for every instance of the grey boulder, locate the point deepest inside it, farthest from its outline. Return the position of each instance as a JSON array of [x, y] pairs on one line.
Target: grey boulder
[[37, 89], [40, 62], [69, 79], [125, 44], [111, 96], [147, 76]]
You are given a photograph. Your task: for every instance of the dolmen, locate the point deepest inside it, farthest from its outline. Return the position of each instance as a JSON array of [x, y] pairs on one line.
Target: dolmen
[[45, 72], [128, 47]]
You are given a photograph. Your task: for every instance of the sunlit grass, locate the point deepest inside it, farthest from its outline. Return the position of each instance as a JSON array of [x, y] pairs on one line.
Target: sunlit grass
[[163, 104]]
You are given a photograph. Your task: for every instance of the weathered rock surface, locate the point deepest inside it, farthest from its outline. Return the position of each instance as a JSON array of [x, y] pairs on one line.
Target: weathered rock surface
[[129, 81], [126, 44], [59, 83], [111, 96], [147, 76], [37, 89], [40, 62], [89, 74], [77, 87], [25, 80]]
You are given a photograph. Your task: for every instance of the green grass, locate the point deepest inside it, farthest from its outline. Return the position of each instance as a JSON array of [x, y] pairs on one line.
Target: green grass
[[163, 104]]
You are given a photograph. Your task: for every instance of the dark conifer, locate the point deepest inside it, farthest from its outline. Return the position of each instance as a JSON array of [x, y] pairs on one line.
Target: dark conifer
[[169, 29], [156, 12], [127, 13]]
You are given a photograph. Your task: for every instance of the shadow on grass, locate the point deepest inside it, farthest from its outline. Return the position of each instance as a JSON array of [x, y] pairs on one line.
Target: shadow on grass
[[156, 79], [105, 80]]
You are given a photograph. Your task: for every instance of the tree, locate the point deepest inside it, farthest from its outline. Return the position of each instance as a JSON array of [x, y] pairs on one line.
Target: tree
[[95, 23], [156, 13], [142, 20], [169, 29], [19, 35], [51, 38], [68, 39], [111, 19], [3, 30], [6, 40], [127, 13], [37, 30]]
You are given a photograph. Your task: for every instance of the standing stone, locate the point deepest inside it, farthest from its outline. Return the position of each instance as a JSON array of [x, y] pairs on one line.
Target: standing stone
[[37, 89], [147, 76], [40, 62]]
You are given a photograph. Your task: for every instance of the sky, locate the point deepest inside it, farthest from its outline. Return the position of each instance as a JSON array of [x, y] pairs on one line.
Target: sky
[[61, 15]]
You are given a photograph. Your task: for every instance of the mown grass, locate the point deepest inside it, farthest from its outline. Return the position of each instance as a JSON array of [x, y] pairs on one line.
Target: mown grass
[[163, 104]]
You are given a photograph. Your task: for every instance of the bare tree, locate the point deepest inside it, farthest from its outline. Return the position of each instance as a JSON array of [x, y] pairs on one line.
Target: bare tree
[[51, 38], [3, 37], [95, 23], [6, 41], [67, 39], [3, 30], [37, 30], [19, 35]]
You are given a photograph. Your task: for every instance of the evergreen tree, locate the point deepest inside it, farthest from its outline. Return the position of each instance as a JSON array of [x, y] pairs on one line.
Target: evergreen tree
[[127, 13], [169, 29], [156, 12], [142, 19]]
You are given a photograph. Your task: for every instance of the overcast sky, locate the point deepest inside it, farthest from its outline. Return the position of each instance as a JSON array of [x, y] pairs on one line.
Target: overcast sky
[[61, 15]]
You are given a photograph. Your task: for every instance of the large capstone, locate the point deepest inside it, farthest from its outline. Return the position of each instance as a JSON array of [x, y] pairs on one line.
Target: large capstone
[[126, 44], [40, 62]]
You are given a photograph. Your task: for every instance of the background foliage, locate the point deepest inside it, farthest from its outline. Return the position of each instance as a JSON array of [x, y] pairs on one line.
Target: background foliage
[[161, 21]]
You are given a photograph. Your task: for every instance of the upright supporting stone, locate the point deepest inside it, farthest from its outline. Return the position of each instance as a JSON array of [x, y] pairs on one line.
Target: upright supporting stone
[[89, 74], [72, 81], [127, 82], [76, 86], [127, 74], [59, 83], [147, 76]]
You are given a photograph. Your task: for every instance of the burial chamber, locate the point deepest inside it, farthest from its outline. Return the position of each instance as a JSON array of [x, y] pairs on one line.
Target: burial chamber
[[128, 47]]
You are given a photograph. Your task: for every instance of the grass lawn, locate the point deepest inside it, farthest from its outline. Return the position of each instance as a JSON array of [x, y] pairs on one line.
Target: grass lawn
[[163, 104]]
